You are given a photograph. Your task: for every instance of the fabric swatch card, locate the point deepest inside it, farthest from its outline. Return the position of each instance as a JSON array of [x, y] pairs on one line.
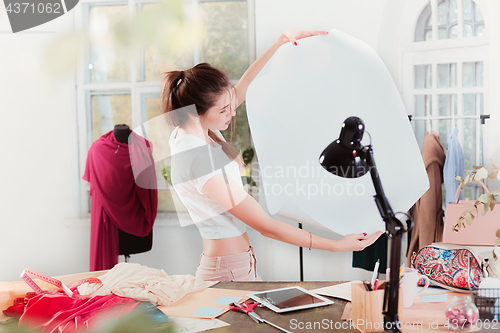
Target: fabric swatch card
[[224, 300], [204, 311]]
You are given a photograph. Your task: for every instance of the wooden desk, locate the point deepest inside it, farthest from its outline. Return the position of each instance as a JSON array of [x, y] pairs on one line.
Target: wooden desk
[[327, 318], [241, 323]]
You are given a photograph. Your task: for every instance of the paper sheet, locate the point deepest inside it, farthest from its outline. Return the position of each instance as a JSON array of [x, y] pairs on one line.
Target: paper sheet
[[296, 107], [227, 300], [193, 325], [342, 291], [433, 290], [186, 306], [434, 298]]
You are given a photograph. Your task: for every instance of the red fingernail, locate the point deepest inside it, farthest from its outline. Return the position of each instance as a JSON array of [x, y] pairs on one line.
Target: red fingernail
[[295, 43], [364, 234]]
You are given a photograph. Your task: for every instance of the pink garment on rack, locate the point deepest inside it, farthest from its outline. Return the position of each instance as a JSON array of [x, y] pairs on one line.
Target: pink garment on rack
[[121, 198], [60, 312]]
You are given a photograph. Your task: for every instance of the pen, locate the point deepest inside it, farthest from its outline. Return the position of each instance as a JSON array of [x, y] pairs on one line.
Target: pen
[[366, 286], [375, 271], [375, 286]]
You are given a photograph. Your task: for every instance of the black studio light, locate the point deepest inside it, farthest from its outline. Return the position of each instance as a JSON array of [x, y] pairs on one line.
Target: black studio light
[[347, 157]]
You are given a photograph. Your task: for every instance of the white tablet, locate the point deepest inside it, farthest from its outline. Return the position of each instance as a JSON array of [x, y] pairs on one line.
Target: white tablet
[[289, 299]]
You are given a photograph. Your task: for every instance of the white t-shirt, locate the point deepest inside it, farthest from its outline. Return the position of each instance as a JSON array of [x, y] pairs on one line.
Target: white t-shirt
[[194, 162]]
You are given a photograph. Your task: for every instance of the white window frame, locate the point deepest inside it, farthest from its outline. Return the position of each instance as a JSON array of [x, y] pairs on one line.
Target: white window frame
[[135, 88], [442, 51]]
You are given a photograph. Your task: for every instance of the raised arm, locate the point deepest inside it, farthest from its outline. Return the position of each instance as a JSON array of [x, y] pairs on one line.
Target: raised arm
[[289, 35], [241, 205]]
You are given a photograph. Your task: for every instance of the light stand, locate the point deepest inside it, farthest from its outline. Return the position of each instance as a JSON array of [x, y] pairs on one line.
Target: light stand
[[347, 157]]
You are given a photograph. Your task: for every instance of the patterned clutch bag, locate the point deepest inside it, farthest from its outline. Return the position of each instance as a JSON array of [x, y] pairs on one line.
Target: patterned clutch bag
[[457, 268]]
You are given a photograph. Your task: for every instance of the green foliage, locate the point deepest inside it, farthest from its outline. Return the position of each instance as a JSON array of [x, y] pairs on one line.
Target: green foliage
[[166, 173], [241, 137], [249, 181]]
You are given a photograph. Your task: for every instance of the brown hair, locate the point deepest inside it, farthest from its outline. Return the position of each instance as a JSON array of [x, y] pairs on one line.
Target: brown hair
[[201, 86]]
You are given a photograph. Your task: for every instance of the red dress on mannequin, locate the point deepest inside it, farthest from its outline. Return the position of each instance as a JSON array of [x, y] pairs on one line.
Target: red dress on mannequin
[[124, 196]]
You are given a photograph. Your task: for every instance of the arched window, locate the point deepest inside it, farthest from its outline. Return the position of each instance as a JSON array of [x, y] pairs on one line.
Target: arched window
[[444, 75], [451, 16]]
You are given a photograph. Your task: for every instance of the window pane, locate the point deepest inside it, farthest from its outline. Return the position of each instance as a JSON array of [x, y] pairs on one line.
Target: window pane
[[423, 105], [225, 43], [423, 76], [469, 104], [471, 192], [443, 33], [478, 16], [443, 75], [479, 74], [468, 74], [453, 75], [480, 30], [108, 111], [454, 31], [444, 131], [480, 103], [428, 35], [470, 128], [155, 127], [241, 136], [467, 30], [444, 105], [467, 10], [447, 104], [447, 75], [158, 134], [419, 130], [154, 61], [429, 21], [453, 11], [105, 65], [442, 13]]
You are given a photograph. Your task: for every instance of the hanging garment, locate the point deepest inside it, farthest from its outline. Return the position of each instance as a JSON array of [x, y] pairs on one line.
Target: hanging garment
[[124, 194], [453, 166], [143, 283], [428, 212], [367, 258]]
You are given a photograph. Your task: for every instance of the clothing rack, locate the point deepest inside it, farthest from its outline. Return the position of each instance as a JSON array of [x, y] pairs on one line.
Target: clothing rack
[[483, 118]]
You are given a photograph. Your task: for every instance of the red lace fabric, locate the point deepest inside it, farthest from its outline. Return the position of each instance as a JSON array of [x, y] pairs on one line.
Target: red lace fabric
[[61, 313]]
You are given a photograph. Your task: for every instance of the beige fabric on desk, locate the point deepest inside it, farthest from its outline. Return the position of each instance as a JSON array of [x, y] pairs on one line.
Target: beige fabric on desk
[[145, 284]]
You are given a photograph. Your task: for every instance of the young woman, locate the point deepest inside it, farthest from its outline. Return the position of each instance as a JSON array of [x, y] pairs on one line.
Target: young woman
[[205, 170]]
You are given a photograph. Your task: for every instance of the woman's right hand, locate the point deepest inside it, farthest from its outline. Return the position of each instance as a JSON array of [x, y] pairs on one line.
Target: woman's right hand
[[293, 35], [356, 242]]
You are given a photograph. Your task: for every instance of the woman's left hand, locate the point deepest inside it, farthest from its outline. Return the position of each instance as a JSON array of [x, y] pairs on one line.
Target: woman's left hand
[[356, 242], [293, 35]]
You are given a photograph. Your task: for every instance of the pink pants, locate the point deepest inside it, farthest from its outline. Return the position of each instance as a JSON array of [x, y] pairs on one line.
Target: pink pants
[[233, 267]]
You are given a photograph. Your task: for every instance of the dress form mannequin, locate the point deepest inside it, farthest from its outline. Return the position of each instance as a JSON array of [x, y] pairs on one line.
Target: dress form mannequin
[[128, 243]]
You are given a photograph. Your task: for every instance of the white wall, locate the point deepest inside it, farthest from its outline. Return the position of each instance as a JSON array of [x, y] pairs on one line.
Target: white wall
[[39, 170], [39, 173]]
